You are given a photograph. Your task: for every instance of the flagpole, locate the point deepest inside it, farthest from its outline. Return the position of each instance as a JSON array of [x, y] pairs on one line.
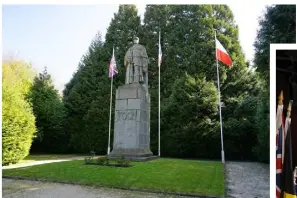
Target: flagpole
[[110, 108], [222, 141], [108, 150], [159, 145]]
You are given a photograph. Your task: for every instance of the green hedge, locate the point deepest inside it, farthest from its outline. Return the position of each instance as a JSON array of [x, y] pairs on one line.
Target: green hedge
[[18, 122]]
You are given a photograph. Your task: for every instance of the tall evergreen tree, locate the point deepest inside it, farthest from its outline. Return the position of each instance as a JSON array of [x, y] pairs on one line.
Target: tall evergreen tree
[[192, 132], [79, 94], [49, 111], [87, 95]]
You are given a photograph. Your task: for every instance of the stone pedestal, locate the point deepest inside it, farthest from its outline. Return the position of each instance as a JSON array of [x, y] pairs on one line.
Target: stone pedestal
[[132, 124]]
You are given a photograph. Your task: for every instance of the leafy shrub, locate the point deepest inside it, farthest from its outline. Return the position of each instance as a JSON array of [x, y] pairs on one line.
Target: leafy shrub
[[126, 162], [88, 160], [106, 160], [123, 161], [101, 160], [18, 121]]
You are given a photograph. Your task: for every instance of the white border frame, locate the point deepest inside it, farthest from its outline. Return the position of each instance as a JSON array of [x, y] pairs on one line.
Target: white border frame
[[273, 48], [176, 2]]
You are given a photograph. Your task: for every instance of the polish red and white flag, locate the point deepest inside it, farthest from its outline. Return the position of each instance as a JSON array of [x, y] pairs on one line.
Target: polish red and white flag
[[222, 54]]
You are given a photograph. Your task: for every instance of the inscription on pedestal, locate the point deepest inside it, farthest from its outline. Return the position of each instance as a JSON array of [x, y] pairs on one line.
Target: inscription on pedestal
[[123, 115], [131, 123]]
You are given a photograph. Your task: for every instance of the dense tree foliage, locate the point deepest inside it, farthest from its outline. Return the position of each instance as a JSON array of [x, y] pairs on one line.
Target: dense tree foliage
[[49, 112], [278, 25], [262, 123], [187, 33], [18, 122]]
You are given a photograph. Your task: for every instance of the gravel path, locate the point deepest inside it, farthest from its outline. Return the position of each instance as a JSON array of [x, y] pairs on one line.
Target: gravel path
[[247, 180], [33, 189]]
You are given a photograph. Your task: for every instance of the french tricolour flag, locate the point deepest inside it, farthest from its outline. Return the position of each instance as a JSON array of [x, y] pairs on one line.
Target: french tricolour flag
[[160, 52], [222, 54]]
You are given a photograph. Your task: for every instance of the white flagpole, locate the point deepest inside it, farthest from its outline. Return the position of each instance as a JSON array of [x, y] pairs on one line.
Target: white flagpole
[[159, 147], [110, 108], [222, 141]]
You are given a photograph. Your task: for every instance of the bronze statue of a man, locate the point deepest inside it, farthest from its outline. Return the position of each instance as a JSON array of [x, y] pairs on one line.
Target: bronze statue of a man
[[136, 63]]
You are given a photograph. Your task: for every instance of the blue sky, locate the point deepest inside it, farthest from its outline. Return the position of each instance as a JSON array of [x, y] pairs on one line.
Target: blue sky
[[57, 36]]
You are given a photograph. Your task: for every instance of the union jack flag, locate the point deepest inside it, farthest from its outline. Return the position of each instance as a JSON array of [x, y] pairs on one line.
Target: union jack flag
[[112, 66], [279, 148]]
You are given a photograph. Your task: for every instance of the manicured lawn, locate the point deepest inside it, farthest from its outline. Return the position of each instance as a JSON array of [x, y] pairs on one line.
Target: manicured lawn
[[171, 175]]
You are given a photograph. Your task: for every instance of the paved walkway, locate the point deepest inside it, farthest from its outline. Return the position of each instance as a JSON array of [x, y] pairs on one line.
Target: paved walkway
[[33, 189], [247, 180], [40, 162]]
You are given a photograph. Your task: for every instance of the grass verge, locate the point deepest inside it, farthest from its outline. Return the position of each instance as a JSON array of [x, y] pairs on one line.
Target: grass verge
[[167, 175]]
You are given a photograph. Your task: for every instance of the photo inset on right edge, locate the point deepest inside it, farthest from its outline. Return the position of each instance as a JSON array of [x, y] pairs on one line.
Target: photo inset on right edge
[[286, 123]]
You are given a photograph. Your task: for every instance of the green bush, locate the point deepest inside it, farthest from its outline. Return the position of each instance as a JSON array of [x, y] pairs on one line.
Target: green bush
[[123, 161], [18, 122], [106, 160], [88, 160], [120, 161], [126, 162], [101, 160]]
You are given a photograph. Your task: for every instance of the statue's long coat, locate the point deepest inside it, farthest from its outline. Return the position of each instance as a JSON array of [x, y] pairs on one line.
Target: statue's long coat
[[136, 63]]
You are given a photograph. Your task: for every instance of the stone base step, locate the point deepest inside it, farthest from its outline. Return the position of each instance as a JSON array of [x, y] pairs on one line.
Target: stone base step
[[136, 158]]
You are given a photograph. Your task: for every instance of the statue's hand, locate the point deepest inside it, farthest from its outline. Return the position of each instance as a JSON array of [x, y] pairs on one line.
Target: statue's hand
[[145, 69]]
